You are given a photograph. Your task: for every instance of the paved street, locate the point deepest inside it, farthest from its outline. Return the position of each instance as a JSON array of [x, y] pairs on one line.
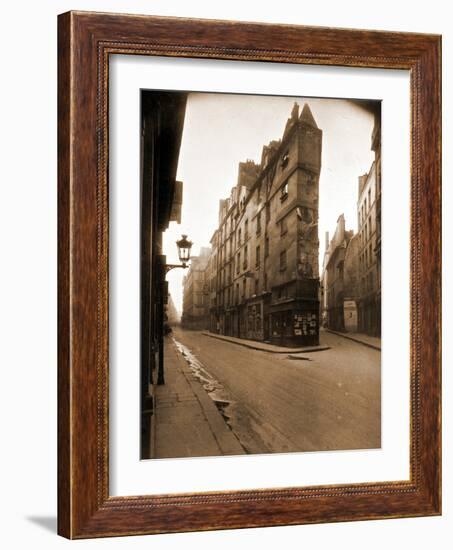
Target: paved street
[[324, 401]]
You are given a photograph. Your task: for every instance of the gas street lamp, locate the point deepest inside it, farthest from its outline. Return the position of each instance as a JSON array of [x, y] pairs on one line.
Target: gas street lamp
[[184, 248]]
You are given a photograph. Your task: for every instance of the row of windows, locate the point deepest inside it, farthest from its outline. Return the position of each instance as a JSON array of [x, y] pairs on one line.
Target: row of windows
[[245, 264], [283, 266], [366, 258], [367, 282], [367, 230], [283, 230], [257, 256], [366, 207], [227, 298], [224, 232]]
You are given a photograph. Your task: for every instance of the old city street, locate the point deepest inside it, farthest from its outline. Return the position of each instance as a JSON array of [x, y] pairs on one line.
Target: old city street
[[323, 400]]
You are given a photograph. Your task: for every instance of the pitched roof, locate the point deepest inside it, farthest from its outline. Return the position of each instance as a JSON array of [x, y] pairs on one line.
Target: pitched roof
[[307, 116]]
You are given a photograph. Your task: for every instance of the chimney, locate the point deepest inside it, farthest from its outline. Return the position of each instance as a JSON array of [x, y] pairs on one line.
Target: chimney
[[341, 227]]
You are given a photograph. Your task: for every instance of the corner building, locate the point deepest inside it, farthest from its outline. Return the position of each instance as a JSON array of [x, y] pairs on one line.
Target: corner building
[[264, 275]]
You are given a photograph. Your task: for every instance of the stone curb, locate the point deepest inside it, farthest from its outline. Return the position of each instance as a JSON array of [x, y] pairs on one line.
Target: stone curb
[[247, 344], [226, 440], [354, 339]]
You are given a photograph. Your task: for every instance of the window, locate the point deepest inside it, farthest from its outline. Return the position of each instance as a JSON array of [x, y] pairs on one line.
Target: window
[[266, 247], [244, 288], [257, 260], [268, 212], [257, 286], [283, 226], [265, 281], [239, 237], [238, 263], [237, 292], [283, 260], [258, 223], [369, 197], [284, 191], [245, 257], [246, 230], [284, 160]]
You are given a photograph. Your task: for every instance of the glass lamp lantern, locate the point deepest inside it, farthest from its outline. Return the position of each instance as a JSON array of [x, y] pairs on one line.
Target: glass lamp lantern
[[184, 247]]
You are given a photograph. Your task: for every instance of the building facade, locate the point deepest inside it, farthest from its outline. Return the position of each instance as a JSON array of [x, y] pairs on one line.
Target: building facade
[[351, 279], [351, 284], [369, 229], [263, 271], [195, 314], [162, 124], [334, 276]]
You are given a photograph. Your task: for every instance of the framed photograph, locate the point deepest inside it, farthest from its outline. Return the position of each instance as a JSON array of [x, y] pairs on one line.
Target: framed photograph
[[249, 275]]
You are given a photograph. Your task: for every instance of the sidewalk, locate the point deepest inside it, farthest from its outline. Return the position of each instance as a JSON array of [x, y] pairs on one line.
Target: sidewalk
[[370, 341], [186, 421], [261, 346]]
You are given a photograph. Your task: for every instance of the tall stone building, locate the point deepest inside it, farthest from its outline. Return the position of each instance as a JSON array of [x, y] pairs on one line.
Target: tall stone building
[[195, 309], [369, 228], [334, 276], [263, 276], [352, 263], [351, 284]]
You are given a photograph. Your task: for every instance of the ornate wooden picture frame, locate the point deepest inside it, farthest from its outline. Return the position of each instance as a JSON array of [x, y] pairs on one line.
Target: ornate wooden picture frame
[[86, 41]]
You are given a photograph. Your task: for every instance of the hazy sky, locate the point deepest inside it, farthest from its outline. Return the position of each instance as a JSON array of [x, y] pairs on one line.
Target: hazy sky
[[221, 130]]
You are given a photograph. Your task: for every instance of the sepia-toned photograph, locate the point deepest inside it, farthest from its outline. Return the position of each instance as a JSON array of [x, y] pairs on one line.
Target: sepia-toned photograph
[[260, 274]]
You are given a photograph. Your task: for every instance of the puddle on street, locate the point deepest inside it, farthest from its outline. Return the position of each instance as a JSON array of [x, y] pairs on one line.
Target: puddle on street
[[255, 435], [213, 387]]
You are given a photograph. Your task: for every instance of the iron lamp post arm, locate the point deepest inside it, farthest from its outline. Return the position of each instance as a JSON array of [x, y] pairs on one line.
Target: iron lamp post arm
[[169, 267]]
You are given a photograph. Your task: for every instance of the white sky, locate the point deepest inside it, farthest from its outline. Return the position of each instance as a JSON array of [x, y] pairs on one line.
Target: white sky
[[221, 130]]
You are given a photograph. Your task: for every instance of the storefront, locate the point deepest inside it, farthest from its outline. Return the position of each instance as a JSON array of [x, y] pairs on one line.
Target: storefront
[[295, 323], [255, 320]]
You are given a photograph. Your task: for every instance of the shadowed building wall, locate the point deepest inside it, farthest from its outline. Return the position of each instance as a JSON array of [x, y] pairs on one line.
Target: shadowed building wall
[[161, 133]]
